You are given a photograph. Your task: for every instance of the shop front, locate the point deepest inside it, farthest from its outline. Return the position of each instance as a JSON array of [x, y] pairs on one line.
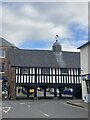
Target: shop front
[[86, 84]]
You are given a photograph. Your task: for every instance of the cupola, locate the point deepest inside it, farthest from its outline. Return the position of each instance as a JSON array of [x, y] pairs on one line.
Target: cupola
[[57, 48]]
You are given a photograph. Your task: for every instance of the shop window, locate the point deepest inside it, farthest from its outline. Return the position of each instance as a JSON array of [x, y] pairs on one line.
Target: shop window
[[24, 70]]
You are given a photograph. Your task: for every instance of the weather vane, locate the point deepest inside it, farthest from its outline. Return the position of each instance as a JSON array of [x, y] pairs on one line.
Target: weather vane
[[57, 37]]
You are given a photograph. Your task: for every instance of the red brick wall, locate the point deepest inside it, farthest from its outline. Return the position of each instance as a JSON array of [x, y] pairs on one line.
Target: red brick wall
[[9, 73], [12, 82], [6, 62]]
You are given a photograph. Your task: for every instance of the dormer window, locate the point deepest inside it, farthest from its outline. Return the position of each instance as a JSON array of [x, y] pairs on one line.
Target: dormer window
[[2, 53]]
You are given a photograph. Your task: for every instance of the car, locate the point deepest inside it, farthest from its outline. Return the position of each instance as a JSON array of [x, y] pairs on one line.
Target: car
[[68, 92], [39, 89], [57, 91], [4, 94], [52, 91], [48, 89], [31, 91], [23, 90]]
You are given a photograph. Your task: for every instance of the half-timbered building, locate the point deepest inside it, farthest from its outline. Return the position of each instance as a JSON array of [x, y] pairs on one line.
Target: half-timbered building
[[44, 68]]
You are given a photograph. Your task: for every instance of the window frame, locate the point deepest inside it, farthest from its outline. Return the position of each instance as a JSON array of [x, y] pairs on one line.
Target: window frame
[[24, 69], [2, 68], [45, 71], [65, 71], [2, 53]]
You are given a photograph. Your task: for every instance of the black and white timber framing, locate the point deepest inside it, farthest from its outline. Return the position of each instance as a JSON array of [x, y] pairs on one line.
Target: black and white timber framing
[[46, 68], [52, 75]]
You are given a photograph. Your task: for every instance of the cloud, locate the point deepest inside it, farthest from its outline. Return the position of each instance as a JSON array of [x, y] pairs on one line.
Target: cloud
[[0, 18], [44, 0], [42, 21]]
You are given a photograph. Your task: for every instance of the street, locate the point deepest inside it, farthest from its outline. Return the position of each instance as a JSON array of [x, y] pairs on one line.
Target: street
[[41, 109]]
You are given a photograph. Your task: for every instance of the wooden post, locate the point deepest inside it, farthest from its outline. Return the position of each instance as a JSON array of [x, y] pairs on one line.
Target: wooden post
[[74, 92], [60, 92], [55, 92], [35, 92], [27, 92], [44, 92]]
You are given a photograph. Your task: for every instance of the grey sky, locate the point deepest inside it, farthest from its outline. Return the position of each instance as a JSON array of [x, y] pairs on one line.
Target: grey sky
[[42, 21]]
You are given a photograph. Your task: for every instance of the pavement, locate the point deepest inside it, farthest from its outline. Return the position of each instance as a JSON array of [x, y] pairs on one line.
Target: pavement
[[79, 103]]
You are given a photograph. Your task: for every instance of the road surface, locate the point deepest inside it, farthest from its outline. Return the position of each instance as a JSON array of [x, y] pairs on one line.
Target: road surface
[[41, 109]]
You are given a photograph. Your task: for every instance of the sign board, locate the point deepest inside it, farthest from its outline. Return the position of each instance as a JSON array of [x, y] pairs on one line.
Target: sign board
[[86, 77]]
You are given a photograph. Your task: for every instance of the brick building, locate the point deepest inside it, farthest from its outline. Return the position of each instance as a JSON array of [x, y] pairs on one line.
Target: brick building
[[5, 46], [42, 68]]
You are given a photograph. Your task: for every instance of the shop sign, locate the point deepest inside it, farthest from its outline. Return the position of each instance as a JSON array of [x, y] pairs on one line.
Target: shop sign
[[85, 77]]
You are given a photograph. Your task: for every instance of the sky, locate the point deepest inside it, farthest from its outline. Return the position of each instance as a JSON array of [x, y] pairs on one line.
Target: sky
[[34, 25]]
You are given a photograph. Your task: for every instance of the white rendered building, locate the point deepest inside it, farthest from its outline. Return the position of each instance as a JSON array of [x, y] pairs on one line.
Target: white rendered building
[[85, 70]]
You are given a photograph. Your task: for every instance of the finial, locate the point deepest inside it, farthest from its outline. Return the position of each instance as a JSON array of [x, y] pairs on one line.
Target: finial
[[57, 36]]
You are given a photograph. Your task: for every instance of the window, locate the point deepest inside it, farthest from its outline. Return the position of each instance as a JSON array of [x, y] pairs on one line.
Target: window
[[45, 70], [2, 53], [24, 70], [1, 67], [64, 71]]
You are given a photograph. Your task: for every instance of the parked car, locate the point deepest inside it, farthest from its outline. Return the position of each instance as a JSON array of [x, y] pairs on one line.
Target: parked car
[[57, 91], [68, 92], [31, 91], [39, 89], [23, 90], [4, 94], [52, 91], [48, 89]]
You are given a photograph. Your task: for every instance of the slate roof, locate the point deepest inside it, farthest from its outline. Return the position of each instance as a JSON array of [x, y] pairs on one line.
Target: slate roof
[[84, 44], [5, 43], [44, 58]]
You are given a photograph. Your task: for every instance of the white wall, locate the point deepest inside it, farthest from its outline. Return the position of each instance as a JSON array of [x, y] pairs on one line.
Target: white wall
[[84, 60], [85, 68], [89, 58], [0, 98]]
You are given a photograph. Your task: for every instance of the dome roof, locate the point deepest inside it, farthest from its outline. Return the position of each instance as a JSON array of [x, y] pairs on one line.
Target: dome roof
[[57, 47], [56, 43]]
